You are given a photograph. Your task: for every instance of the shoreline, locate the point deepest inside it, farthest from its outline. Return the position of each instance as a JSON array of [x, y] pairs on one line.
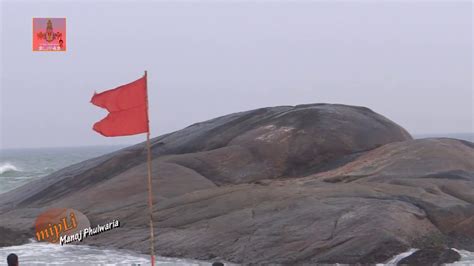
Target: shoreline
[[111, 253], [41, 247]]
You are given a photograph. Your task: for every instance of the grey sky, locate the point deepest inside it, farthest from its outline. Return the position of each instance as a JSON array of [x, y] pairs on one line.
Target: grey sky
[[411, 62]]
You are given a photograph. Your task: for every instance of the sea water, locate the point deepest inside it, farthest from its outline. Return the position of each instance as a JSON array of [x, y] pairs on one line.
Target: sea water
[[18, 167], [40, 253]]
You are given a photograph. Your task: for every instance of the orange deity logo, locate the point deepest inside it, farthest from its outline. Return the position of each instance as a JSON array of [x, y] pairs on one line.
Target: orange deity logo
[[49, 34]]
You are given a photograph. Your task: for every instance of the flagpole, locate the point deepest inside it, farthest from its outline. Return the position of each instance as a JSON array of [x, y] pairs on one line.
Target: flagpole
[[150, 197]]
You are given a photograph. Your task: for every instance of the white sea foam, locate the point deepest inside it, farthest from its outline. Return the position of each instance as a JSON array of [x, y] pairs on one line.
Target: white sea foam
[[41, 253], [399, 257], [7, 167], [467, 257], [36, 254]]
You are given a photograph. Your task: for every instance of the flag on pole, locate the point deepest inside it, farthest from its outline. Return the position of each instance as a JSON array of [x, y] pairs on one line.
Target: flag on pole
[[128, 110], [128, 115]]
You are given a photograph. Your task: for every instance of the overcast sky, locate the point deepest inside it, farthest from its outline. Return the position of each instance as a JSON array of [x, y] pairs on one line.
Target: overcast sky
[[411, 62]]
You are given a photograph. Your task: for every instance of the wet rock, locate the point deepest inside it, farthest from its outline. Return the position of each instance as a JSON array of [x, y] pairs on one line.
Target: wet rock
[[433, 256]]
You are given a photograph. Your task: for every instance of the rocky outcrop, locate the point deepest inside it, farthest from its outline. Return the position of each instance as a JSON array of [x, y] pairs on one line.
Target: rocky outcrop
[[12, 237], [304, 184], [432, 256]]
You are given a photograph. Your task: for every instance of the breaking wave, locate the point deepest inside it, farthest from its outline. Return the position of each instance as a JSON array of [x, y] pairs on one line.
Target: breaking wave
[[8, 168]]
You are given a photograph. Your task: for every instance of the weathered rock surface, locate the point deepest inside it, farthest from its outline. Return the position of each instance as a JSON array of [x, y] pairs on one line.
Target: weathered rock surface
[[11, 237], [431, 256], [311, 183]]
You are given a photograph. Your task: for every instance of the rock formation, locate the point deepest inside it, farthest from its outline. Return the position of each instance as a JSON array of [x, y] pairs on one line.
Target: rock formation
[[292, 184], [431, 256]]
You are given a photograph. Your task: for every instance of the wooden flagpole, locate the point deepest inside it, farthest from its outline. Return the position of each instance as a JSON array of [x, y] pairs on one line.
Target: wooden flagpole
[[150, 192]]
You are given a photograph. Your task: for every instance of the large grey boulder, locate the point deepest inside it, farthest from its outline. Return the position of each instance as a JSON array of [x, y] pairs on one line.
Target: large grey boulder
[[303, 184]]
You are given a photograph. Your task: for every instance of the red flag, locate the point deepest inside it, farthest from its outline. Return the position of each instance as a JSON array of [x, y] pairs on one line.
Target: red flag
[[128, 109]]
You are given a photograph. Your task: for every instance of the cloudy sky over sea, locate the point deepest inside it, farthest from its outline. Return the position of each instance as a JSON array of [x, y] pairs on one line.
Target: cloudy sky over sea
[[410, 61]]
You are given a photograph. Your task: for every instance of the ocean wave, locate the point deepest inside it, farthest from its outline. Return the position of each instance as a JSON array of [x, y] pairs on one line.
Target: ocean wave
[[42, 253], [7, 168], [48, 170]]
